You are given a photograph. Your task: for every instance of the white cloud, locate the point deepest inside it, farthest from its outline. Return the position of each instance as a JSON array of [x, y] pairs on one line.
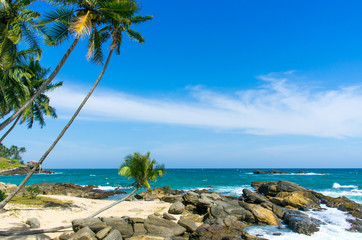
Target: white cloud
[[277, 107]]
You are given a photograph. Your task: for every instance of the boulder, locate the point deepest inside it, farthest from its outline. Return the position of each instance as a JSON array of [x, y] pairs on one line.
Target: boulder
[[84, 234], [172, 198], [33, 222], [145, 237], [253, 197], [176, 208], [190, 226], [215, 232], [66, 235], [114, 235], [273, 188], [123, 225], [343, 204], [103, 233], [301, 223], [298, 199], [162, 227], [223, 209], [168, 216], [261, 215], [81, 223], [191, 197]]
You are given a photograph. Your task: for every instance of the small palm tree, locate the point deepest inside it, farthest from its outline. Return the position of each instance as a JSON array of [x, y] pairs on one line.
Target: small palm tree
[[141, 169]]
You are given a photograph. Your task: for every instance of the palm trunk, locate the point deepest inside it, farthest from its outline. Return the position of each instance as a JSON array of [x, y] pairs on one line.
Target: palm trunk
[[42, 87], [10, 129], [4, 233], [8, 198], [113, 204]]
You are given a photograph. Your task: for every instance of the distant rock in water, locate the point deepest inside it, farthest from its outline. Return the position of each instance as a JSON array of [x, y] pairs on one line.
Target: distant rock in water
[[25, 169], [276, 172]]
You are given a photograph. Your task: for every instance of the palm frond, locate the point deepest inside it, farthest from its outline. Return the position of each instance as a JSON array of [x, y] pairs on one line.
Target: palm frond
[[82, 25]]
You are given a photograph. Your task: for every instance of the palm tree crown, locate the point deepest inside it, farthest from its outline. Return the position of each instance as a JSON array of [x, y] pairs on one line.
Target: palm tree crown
[[142, 169]]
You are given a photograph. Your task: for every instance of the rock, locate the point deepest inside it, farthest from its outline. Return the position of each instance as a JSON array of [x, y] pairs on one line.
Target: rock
[[343, 204], [81, 223], [123, 225], [162, 227], [176, 208], [190, 226], [168, 216], [191, 197], [246, 236], [84, 234], [301, 223], [159, 193], [25, 169], [145, 237], [270, 172], [172, 198], [103, 233], [253, 197], [66, 235], [216, 232], [7, 187], [70, 189], [356, 225], [223, 209], [273, 188], [33, 222], [261, 215], [114, 235], [297, 199]]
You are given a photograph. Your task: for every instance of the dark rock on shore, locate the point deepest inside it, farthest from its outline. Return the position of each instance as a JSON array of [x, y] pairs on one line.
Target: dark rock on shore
[[70, 189], [25, 169], [301, 223], [276, 172]]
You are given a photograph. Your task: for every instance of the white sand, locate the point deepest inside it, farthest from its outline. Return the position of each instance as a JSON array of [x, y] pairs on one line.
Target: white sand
[[14, 219]]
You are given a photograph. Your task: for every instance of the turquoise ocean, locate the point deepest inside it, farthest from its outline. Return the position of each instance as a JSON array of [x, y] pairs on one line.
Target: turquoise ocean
[[332, 182]]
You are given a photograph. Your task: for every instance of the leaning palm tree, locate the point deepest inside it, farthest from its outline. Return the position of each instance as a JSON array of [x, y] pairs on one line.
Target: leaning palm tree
[[136, 166], [40, 106], [117, 26], [141, 169], [77, 18]]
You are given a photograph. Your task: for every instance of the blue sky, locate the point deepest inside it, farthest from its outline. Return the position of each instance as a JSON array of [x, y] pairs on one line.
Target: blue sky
[[217, 84]]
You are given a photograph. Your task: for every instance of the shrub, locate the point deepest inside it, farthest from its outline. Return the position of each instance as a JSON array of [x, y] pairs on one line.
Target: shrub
[[2, 195], [32, 192]]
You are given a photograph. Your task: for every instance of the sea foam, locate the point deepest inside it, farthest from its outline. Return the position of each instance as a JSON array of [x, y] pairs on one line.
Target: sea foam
[[337, 185]]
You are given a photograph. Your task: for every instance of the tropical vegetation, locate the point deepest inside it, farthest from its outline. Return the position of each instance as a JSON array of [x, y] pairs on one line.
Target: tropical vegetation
[[11, 155], [100, 21], [141, 169]]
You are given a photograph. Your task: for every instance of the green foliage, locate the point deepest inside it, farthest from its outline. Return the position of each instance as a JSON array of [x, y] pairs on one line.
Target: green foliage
[[32, 192], [142, 169], [13, 153], [2, 195]]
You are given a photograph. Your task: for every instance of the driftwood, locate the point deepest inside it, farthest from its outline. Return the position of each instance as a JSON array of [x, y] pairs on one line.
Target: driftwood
[[54, 229]]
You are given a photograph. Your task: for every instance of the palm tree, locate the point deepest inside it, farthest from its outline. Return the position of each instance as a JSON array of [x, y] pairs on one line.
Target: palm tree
[[40, 106], [78, 18], [17, 23], [141, 169], [116, 26]]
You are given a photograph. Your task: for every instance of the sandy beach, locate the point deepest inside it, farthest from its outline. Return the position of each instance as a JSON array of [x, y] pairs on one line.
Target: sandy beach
[[14, 218]]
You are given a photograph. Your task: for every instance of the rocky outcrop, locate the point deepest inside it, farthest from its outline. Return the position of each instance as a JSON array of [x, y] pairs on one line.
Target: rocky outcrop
[[210, 215], [158, 193], [70, 189], [276, 172], [25, 169]]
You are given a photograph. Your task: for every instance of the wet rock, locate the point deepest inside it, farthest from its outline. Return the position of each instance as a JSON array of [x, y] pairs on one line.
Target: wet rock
[[33, 222], [356, 225], [247, 236], [343, 204], [301, 223], [176, 208], [162, 227]]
